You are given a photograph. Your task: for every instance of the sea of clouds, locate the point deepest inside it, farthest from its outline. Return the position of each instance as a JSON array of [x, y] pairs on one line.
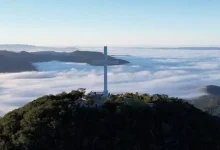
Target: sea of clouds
[[178, 73]]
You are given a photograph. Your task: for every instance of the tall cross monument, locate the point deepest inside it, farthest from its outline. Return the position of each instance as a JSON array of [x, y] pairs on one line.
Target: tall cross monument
[[106, 63], [105, 92]]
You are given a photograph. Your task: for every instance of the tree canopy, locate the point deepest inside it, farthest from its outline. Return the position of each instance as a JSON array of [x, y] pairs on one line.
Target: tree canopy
[[124, 122]]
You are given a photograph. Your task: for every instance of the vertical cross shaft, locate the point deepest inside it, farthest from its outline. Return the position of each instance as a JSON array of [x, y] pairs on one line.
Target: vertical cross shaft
[[105, 92]]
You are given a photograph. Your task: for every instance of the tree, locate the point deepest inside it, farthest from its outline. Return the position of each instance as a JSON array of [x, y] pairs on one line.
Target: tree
[[56, 122]]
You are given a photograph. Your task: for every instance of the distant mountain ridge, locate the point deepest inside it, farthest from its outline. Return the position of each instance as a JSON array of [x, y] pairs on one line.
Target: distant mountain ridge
[[26, 47], [31, 48], [22, 61]]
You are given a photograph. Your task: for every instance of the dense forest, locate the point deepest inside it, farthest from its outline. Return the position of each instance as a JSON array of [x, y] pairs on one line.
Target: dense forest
[[123, 122]]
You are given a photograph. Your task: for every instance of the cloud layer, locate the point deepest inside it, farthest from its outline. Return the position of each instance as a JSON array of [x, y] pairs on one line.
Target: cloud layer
[[172, 72]]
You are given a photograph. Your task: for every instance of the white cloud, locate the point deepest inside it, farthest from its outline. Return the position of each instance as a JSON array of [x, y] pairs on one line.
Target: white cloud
[[181, 73]]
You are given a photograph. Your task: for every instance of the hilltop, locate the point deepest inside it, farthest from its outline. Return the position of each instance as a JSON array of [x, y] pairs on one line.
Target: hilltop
[[209, 101], [128, 121], [22, 61], [211, 90]]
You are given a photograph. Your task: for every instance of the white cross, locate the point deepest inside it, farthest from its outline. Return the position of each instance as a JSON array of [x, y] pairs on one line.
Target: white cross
[[106, 62]]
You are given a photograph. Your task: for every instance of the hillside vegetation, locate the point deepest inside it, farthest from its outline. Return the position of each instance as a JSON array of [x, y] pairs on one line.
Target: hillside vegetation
[[123, 122]]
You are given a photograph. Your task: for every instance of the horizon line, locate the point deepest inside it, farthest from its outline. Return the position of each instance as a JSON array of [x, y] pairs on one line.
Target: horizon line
[[135, 46]]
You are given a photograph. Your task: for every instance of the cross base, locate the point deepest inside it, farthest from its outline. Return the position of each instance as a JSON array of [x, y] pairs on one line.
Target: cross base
[[105, 94]]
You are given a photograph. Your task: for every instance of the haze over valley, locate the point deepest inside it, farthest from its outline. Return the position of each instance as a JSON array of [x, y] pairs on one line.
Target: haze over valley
[[178, 73]]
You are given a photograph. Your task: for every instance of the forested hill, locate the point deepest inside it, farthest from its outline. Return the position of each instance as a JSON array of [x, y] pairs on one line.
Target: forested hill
[[22, 61], [123, 122]]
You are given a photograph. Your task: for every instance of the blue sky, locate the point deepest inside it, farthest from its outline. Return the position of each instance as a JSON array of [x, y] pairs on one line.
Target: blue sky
[[110, 22]]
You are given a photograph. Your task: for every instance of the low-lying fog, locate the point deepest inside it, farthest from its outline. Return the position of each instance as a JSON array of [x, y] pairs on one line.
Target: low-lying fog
[[155, 71]]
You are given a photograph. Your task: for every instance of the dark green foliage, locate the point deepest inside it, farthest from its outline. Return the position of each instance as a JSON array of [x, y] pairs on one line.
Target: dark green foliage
[[90, 102], [56, 123]]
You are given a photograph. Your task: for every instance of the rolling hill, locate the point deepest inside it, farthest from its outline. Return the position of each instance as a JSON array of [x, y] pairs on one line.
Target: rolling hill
[[58, 122]]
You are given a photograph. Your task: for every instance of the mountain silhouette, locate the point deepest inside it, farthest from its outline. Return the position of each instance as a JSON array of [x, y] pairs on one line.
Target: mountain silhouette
[[22, 61]]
